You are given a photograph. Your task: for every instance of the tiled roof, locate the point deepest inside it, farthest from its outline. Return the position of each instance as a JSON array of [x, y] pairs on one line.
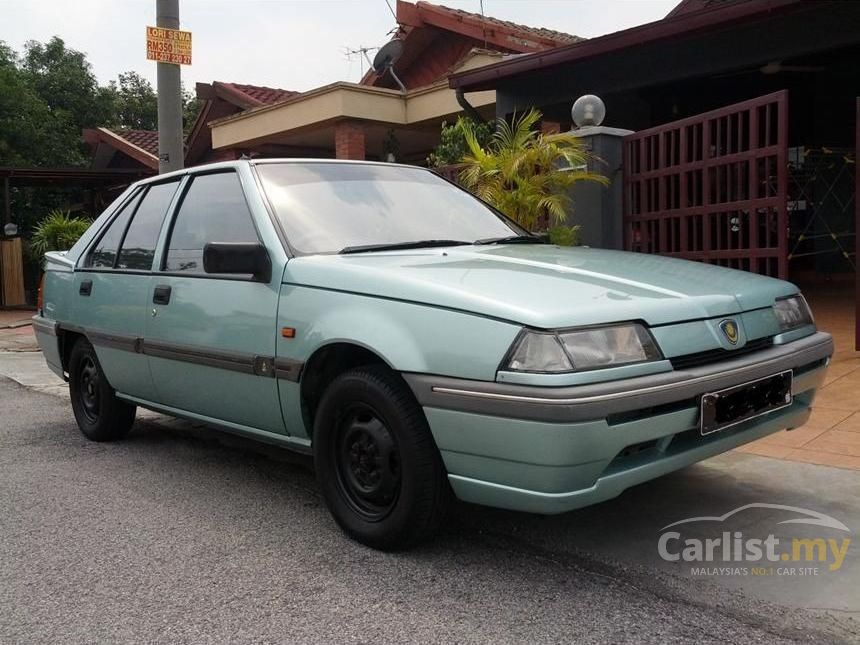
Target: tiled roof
[[144, 139], [691, 6], [258, 94], [558, 37]]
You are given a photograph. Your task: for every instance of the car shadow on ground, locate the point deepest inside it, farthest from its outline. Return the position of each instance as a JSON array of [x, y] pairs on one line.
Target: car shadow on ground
[[621, 534]]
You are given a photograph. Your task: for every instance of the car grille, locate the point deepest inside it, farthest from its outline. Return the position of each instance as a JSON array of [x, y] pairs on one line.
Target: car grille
[[715, 355]]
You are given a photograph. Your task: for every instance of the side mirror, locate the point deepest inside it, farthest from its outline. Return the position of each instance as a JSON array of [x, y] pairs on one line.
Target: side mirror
[[238, 259]]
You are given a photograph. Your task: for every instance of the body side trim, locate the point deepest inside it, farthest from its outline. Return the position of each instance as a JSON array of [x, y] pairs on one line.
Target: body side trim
[[289, 369], [264, 366]]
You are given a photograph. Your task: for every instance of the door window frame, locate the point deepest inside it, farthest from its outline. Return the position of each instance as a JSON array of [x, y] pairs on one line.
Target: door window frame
[[139, 194], [170, 221]]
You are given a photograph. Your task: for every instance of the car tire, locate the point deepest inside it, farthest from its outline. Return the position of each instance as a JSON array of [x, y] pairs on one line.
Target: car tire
[[379, 469], [101, 416]]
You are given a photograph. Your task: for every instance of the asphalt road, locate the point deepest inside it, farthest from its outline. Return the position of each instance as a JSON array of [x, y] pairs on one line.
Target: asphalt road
[[187, 536]]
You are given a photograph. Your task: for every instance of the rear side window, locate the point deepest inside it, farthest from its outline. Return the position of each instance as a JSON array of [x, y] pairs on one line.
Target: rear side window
[[213, 210], [138, 246], [104, 254]]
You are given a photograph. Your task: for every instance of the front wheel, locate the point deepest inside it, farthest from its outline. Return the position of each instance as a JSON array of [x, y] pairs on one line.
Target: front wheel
[[101, 416], [376, 462]]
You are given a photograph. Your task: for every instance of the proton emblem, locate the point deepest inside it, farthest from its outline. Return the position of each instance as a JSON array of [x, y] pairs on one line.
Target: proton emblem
[[730, 329]]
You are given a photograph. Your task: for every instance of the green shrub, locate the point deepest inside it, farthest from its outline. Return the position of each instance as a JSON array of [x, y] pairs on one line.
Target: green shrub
[[58, 231], [564, 235], [452, 141], [528, 175]]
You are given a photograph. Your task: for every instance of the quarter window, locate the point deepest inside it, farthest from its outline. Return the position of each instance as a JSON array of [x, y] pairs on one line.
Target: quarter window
[[138, 246], [213, 210], [104, 254]]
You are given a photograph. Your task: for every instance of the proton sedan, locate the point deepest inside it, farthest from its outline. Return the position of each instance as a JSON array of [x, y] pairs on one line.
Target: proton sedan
[[418, 343]]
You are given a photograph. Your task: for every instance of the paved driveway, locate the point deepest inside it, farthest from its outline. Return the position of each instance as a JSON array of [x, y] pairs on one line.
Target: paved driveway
[[183, 535]]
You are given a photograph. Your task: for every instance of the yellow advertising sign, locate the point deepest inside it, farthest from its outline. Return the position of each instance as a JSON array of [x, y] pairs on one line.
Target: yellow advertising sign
[[168, 45]]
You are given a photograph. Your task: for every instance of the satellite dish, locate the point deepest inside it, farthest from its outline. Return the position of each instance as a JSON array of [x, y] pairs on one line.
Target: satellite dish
[[386, 57]]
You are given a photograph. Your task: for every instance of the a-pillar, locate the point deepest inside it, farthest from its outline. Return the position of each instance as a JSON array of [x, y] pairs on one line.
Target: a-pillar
[[349, 140]]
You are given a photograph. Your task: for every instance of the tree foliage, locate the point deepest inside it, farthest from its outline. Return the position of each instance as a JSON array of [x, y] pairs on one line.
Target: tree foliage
[[33, 129], [135, 102], [527, 174], [452, 143], [49, 94]]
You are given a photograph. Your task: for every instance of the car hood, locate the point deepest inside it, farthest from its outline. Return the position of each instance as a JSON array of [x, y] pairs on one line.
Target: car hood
[[544, 286]]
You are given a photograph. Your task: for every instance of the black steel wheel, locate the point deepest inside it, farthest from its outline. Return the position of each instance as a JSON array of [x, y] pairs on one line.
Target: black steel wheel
[[88, 387], [367, 462], [376, 462], [101, 416]]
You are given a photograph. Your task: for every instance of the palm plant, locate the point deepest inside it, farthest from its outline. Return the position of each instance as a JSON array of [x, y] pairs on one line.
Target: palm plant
[[527, 175], [58, 231]]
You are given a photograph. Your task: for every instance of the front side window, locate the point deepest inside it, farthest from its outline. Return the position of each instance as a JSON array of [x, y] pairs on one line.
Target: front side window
[[327, 207], [103, 256], [212, 210], [138, 246]]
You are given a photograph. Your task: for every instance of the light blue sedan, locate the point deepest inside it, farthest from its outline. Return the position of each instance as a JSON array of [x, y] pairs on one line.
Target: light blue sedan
[[416, 341]]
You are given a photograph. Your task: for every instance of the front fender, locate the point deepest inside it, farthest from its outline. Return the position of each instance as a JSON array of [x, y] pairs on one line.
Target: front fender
[[409, 337]]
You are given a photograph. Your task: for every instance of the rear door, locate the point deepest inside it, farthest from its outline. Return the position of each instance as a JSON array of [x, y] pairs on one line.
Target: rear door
[[210, 339], [112, 285]]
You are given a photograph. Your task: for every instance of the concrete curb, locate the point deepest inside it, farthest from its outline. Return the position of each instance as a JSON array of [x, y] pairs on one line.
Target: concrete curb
[[17, 325]]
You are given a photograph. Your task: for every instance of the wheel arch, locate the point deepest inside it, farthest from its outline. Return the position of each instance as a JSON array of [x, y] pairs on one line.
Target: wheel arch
[[327, 363], [67, 339]]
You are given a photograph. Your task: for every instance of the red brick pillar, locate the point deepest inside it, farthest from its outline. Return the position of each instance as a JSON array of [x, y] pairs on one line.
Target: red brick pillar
[[349, 140], [550, 127]]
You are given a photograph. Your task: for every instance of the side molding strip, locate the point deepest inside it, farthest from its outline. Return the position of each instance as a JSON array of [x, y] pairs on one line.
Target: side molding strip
[[289, 369], [264, 366]]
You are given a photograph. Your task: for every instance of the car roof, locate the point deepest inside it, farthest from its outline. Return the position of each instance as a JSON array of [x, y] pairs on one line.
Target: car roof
[[222, 165]]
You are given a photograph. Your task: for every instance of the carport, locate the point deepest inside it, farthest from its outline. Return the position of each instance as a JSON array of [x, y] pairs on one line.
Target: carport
[[745, 129], [100, 187]]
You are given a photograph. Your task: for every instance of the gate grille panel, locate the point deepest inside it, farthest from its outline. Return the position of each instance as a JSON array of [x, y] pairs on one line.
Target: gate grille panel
[[712, 187]]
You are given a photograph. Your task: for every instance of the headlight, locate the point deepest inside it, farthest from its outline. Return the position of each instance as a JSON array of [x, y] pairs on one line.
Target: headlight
[[792, 312], [583, 349]]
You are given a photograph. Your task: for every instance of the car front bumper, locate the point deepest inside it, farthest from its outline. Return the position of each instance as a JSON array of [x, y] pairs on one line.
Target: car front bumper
[[551, 450]]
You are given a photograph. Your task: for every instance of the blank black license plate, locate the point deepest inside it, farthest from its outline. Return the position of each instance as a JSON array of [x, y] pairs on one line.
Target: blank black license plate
[[726, 408]]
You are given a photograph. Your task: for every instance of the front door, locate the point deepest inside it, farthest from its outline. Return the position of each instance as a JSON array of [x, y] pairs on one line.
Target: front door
[[210, 340]]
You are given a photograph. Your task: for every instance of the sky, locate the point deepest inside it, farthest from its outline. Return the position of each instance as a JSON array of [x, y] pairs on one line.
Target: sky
[[291, 44]]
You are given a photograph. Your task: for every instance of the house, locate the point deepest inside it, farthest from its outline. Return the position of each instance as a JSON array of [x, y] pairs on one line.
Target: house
[[745, 119], [115, 148], [376, 118]]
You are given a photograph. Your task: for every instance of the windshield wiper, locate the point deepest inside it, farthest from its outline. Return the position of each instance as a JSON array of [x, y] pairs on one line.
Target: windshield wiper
[[513, 239], [418, 244]]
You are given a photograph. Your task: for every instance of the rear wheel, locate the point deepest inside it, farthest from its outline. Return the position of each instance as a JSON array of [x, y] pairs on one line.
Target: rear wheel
[[101, 416], [377, 464]]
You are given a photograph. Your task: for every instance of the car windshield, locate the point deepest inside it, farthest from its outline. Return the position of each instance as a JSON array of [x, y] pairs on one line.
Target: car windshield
[[333, 207]]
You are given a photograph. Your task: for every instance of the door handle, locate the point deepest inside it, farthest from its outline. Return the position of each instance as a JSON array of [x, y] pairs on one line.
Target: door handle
[[86, 287], [161, 295]]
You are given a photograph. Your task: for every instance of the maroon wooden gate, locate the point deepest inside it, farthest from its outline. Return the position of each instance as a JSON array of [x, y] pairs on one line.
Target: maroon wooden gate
[[712, 187]]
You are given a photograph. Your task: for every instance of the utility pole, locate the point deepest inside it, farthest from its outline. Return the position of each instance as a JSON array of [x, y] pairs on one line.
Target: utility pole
[[171, 155]]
